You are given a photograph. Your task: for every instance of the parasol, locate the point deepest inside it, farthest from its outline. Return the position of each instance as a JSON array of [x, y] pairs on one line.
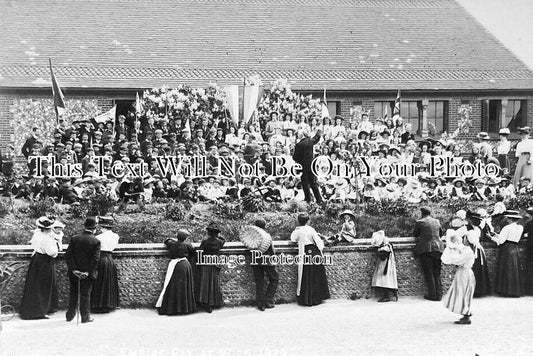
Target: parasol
[[255, 238]]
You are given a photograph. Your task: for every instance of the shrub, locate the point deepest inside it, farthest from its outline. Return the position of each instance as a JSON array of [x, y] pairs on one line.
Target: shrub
[[100, 205], [40, 208], [521, 202], [398, 207], [231, 211], [253, 204], [176, 211], [5, 207]]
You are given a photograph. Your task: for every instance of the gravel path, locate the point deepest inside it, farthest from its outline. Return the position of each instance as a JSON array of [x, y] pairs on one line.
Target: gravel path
[[338, 327]]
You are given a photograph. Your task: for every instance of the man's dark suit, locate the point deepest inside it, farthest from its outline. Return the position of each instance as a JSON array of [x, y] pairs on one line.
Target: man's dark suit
[[429, 247], [304, 155], [82, 255], [262, 297]]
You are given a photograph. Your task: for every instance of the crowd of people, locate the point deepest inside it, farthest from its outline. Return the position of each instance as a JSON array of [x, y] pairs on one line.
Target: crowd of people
[[287, 137], [191, 282]]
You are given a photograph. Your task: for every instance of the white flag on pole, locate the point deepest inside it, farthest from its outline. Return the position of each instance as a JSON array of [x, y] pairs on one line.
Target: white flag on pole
[[110, 115], [232, 96]]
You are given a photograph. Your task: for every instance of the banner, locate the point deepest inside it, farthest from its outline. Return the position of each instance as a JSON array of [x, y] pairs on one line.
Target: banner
[[110, 115], [232, 96], [324, 106], [251, 95]]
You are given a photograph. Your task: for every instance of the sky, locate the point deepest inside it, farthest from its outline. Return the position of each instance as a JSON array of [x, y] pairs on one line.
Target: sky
[[511, 21]]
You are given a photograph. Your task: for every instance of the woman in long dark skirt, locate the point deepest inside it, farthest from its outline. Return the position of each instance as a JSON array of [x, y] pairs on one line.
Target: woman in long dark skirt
[[177, 296], [528, 234], [509, 276], [210, 293], [40, 290], [472, 235], [105, 293], [312, 282]]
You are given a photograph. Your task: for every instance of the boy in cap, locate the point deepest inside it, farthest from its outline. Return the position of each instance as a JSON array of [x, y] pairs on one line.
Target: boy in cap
[[265, 298]]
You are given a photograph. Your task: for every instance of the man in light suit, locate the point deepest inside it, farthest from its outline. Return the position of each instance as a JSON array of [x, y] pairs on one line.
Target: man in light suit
[[82, 258], [264, 299], [429, 248]]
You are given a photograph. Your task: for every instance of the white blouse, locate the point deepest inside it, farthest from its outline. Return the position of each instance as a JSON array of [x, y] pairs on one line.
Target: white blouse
[[306, 235], [44, 242], [503, 147], [525, 146], [511, 232], [108, 240]]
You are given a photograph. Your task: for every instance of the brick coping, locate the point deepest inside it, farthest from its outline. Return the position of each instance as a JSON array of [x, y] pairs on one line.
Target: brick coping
[[159, 249]]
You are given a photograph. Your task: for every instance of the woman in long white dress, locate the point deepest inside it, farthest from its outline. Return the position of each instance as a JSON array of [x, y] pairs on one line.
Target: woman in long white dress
[[312, 286], [459, 297], [384, 278]]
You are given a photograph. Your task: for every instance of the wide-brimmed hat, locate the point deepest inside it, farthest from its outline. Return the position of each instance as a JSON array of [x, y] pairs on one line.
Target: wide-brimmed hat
[[525, 129], [347, 212], [425, 210], [504, 131], [530, 210], [494, 181], [107, 222], [459, 179], [457, 223], [361, 133], [483, 136], [44, 223], [212, 227], [378, 237], [341, 183], [394, 148], [424, 143], [58, 224]]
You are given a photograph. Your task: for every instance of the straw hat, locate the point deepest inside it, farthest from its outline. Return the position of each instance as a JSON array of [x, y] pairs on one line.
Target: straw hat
[[44, 223], [347, 212], [378, 237], [107, 222]]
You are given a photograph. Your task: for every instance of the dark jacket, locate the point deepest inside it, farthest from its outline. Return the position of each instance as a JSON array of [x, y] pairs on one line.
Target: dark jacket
[[427, 232], [304, 152], [83, 253]]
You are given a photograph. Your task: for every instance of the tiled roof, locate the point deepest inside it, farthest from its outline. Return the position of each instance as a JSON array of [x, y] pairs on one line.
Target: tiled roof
[[341, 44]]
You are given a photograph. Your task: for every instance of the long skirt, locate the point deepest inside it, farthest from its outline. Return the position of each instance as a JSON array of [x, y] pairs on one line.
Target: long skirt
[[529, 277], [522, 169], [314, 288], [210, 293], [178, 294], [459, 297], [40, 291], [105, 295], [481, 272], [509, 275], [385, 273], [505, 163]]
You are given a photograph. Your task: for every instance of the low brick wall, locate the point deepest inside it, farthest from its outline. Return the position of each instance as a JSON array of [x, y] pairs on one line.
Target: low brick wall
[[142, 269]]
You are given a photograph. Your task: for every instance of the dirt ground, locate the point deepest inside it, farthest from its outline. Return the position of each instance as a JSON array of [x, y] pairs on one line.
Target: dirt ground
[[338, 327]]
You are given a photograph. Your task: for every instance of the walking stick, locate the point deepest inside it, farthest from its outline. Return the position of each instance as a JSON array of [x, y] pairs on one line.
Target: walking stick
[[78, 304]]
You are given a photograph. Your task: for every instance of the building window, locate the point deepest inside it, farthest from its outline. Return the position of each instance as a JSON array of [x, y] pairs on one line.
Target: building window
[[514, 115], [437, 114], [382, 108], [410, 111], [493, 117], [334, 108]]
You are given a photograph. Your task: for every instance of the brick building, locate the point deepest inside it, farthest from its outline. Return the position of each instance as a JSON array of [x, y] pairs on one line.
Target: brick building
[[362, 51]]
